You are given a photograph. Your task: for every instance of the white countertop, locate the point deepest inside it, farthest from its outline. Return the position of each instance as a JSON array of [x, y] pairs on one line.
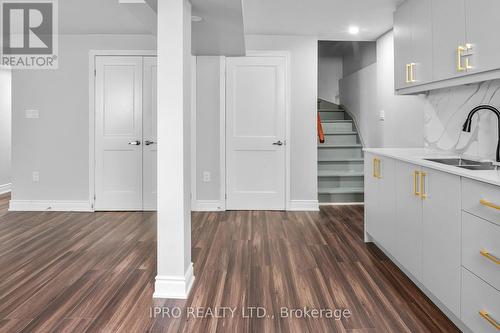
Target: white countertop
[[418, 156]]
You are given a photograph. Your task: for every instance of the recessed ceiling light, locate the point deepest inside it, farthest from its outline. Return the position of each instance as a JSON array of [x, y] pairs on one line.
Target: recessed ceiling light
[[196, 18], [354, 30]]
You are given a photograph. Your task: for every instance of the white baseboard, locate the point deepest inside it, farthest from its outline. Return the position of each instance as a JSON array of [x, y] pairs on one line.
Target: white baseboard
[[45, 205], [208, 206], [304, 206], [5, 188], [174, 287], [342, 204]]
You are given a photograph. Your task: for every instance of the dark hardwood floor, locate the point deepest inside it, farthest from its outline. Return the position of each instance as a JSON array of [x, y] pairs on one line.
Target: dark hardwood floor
[[82, 272]]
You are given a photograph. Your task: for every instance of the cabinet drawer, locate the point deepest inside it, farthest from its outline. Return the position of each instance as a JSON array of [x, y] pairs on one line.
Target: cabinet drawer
[[478, 296], [481, 248], [481, 199]]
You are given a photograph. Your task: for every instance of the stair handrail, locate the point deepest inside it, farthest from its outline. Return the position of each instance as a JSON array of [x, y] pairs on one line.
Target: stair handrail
[[321, 133]]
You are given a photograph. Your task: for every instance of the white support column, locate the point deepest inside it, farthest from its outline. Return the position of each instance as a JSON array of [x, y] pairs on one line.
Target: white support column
[[175, 269]]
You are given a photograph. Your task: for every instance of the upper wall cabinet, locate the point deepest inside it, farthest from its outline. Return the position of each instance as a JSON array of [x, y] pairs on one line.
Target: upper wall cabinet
[[482, 34], [444, 43], [413, 43], [448, 35]]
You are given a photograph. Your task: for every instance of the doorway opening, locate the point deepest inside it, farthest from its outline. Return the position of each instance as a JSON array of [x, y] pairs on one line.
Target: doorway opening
[[344, 73]]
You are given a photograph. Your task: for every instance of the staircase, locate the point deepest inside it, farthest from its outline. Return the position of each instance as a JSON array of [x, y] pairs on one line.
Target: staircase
[[340, 157]]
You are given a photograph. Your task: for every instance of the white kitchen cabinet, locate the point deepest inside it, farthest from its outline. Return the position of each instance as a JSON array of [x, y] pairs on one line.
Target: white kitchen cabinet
[[448, 34], [380, 196], [413, 43], [409, 210], [482, 34], [402, 44], [441, 230]]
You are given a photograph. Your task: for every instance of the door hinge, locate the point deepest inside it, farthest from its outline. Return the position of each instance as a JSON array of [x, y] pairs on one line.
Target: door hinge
[[95, 72], [225, 196]]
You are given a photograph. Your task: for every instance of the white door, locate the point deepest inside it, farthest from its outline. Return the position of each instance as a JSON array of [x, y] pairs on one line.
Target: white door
[[118, 133], [149, 134], [255, 133]]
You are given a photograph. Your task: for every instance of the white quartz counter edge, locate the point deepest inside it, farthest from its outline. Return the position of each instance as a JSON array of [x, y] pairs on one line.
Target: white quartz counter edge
[[418, 156]]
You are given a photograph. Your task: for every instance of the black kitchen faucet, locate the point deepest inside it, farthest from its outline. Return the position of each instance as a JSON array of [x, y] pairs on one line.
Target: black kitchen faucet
[[468, 122]]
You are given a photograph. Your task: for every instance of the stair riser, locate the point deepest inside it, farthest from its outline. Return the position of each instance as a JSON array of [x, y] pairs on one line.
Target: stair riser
[[341, 198], [332, 128], [342, 182], [340, 153], [341, 139], [332, 115], [341, 166]]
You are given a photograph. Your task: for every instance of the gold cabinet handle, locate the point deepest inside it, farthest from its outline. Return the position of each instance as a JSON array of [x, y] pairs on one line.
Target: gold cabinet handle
[[376, 168], [412, 72], [489, 204], [423, 190], [379, 169], [416, 189], [460, 49], [489, 256], [490, 320]]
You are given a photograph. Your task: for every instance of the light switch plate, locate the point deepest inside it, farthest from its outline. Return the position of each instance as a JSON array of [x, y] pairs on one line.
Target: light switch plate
[[36, 176], [32, 114]]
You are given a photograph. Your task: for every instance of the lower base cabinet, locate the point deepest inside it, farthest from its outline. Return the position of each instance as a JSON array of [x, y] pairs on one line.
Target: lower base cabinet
[[441, 225], [480, 304], [420, 216]]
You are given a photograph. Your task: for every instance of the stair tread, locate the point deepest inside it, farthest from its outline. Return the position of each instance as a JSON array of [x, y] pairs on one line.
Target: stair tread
[[341, 160], [357, 145], [330, 110], [341, 190], [336, 121], [342, 133], [336, 173]]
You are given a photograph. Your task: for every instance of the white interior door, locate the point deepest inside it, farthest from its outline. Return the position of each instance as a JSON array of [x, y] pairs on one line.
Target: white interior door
[[149, 134], [255, 133], [118, 133]]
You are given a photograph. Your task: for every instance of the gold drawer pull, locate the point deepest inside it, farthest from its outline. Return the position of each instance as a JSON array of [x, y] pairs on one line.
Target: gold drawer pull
[[423, 190], [489, 204], [491, 257], [490, 320], [416, 189]]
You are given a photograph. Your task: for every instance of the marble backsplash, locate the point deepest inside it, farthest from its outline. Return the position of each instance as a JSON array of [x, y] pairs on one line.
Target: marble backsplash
[[445, 112]]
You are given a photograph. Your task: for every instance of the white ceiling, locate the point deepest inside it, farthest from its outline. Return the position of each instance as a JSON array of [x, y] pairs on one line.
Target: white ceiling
[[325, 19], [105, 17]]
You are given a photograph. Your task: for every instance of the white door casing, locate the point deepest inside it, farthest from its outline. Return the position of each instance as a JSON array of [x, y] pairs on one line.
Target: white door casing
[[118, 133], [149, 133], [256, 133]]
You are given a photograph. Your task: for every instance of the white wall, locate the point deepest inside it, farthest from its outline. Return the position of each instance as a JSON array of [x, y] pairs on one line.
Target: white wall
[[404, 118], [57, 144], [329, 75], [358, 94], [5, 128], [367, 92], [208, 127]]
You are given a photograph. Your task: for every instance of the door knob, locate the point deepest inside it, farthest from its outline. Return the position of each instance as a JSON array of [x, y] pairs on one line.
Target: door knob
[[135, 143], [279, 143], [149, 143]]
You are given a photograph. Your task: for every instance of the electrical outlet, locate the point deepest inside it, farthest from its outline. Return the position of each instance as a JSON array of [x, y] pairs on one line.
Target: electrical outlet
[[206, 177], [36, 176], [32, 114]]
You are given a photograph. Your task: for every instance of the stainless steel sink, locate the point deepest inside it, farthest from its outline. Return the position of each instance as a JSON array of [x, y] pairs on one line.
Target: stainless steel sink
[[478, 167], [464, 163], [454, 161]]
